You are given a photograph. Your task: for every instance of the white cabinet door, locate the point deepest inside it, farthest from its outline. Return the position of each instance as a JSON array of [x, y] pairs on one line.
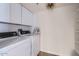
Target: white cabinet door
[[4, 12], [27, 17], [35, 21], [35, 45], [22, 48], [15, 11]]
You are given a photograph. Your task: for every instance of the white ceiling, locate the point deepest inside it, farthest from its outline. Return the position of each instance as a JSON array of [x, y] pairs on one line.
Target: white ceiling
[[34, 7]]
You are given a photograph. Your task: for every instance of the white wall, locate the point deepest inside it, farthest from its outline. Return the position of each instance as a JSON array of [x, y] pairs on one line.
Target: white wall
[[57, 30]]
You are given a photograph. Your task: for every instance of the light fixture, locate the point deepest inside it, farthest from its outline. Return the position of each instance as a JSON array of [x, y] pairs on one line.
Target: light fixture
[[50, 5]]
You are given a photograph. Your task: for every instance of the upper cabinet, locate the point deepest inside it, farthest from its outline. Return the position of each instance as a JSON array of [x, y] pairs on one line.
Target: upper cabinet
[[4, 12], [15, 13], [27, 17]]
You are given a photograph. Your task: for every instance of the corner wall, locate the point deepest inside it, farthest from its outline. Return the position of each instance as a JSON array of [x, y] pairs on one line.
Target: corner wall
[[57, 30]]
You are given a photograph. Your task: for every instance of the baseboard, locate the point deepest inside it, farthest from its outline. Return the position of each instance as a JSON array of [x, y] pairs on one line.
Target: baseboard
[[41, 53], [50, 52]]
